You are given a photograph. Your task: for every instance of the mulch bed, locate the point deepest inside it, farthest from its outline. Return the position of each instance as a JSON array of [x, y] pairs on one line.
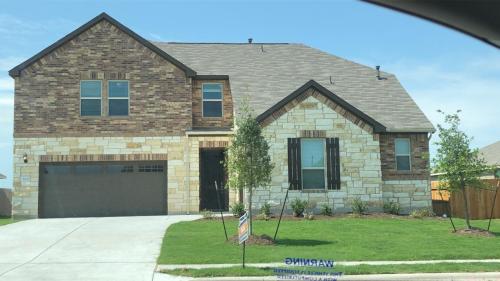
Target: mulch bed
[[287, 217], [263, 240], [474, 232]]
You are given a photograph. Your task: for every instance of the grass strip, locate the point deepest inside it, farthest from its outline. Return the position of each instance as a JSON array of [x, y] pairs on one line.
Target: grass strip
[[346, 270]]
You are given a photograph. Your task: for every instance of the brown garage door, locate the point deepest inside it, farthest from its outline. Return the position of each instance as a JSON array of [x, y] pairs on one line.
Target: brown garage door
[[102, 189]]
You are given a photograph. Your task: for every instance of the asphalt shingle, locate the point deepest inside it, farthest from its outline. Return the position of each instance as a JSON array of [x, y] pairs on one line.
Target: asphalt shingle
[[491, 153], [267, 73]]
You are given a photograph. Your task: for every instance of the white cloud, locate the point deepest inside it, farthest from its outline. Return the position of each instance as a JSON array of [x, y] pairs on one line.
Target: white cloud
[[6, 84], [11, 26], [474, 88], [8, 63], [7, 100]]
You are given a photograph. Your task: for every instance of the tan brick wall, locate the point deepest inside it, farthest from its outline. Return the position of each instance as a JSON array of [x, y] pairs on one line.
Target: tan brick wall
[[181, 153], [195, 143], [419, 156], [227, 106], [47, 93]]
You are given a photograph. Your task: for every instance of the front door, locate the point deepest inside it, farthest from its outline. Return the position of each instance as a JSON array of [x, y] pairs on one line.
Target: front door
[[211, 171]]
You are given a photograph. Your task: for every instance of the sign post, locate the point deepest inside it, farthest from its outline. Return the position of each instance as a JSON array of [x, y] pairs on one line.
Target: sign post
[[243, 232]]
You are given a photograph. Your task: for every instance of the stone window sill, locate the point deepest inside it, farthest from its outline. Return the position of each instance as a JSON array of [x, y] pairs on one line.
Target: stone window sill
[[314, 190], [105, 117]]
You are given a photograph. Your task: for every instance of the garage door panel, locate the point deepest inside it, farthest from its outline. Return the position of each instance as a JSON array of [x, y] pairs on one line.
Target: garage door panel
[[103, 189]]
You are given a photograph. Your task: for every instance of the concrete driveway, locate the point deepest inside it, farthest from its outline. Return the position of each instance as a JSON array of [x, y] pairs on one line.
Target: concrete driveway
[[111, 248]]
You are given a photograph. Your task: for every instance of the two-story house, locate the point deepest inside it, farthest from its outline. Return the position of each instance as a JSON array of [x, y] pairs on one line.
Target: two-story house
[[108, 123]]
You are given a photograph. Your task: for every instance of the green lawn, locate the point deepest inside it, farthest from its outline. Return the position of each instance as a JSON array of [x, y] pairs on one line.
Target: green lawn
[[340, 239], [4, 221], [347, 270]]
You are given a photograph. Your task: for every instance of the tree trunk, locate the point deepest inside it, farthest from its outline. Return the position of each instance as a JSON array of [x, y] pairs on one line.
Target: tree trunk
[[250, 209], [251, 189], [466, 206]]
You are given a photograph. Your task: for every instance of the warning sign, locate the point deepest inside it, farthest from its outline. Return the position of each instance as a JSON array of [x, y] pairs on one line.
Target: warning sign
[[243, 228]]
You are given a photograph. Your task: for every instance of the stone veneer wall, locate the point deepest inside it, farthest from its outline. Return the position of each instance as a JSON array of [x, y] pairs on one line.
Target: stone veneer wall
[[182, 153], [410, 194], [361, 175]]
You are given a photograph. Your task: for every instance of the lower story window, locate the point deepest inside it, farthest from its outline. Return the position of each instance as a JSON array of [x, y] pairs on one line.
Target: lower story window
[[313, 163]]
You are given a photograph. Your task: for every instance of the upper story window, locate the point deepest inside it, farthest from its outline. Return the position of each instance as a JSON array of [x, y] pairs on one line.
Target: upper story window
[[313, 163], [90, 97], [118, 98], [212, 99], [403, 154]]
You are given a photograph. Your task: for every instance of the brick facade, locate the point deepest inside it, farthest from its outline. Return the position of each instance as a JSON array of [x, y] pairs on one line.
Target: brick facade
[[419, 157], [47, 93], [164, 104], [226, 121]]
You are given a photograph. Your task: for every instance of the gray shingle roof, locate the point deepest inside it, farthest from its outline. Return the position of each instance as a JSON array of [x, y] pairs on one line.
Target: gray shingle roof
[[2, 177], [491, 153], [267, 73]]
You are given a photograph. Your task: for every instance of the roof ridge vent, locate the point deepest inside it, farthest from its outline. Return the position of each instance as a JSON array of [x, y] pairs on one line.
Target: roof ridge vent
[[250, 40]]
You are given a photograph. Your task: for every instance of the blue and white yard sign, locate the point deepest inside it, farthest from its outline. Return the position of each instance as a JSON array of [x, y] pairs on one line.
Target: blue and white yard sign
[[243, 228]]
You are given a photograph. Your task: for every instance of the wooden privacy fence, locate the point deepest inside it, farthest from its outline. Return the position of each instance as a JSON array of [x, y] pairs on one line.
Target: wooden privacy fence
[[480, 201]]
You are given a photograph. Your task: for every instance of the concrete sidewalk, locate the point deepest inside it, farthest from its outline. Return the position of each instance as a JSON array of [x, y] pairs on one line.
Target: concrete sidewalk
[[344, 263], [484, 276]]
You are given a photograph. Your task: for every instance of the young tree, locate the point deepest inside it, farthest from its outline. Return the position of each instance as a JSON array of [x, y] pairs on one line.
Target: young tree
[[460, 165], [248, 163]]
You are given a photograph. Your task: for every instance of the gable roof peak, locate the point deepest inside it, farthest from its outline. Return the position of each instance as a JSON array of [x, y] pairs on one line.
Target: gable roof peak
[[14, 72], [377, 127]]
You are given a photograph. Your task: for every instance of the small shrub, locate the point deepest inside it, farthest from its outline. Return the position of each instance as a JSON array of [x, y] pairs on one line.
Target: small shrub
[[266, 209], [238, 209], [421, 213], [392, 208], [262, 216], [326, 210], [298, 207], [207, 215], [310, 217], [358, 207]]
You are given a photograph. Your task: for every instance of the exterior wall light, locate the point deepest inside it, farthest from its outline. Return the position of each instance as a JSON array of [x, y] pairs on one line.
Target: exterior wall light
[[25, 158]]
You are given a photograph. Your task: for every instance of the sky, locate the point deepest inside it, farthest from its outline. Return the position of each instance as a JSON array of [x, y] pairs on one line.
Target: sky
[[439, 67]]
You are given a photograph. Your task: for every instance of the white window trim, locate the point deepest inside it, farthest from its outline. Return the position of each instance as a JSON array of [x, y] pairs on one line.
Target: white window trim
[[221, 100], [396, 154], [120, 98], [90, 98], [314, 168]]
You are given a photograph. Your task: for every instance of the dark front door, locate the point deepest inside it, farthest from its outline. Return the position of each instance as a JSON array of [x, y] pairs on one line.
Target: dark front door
[[211, 171], [102, 189]]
